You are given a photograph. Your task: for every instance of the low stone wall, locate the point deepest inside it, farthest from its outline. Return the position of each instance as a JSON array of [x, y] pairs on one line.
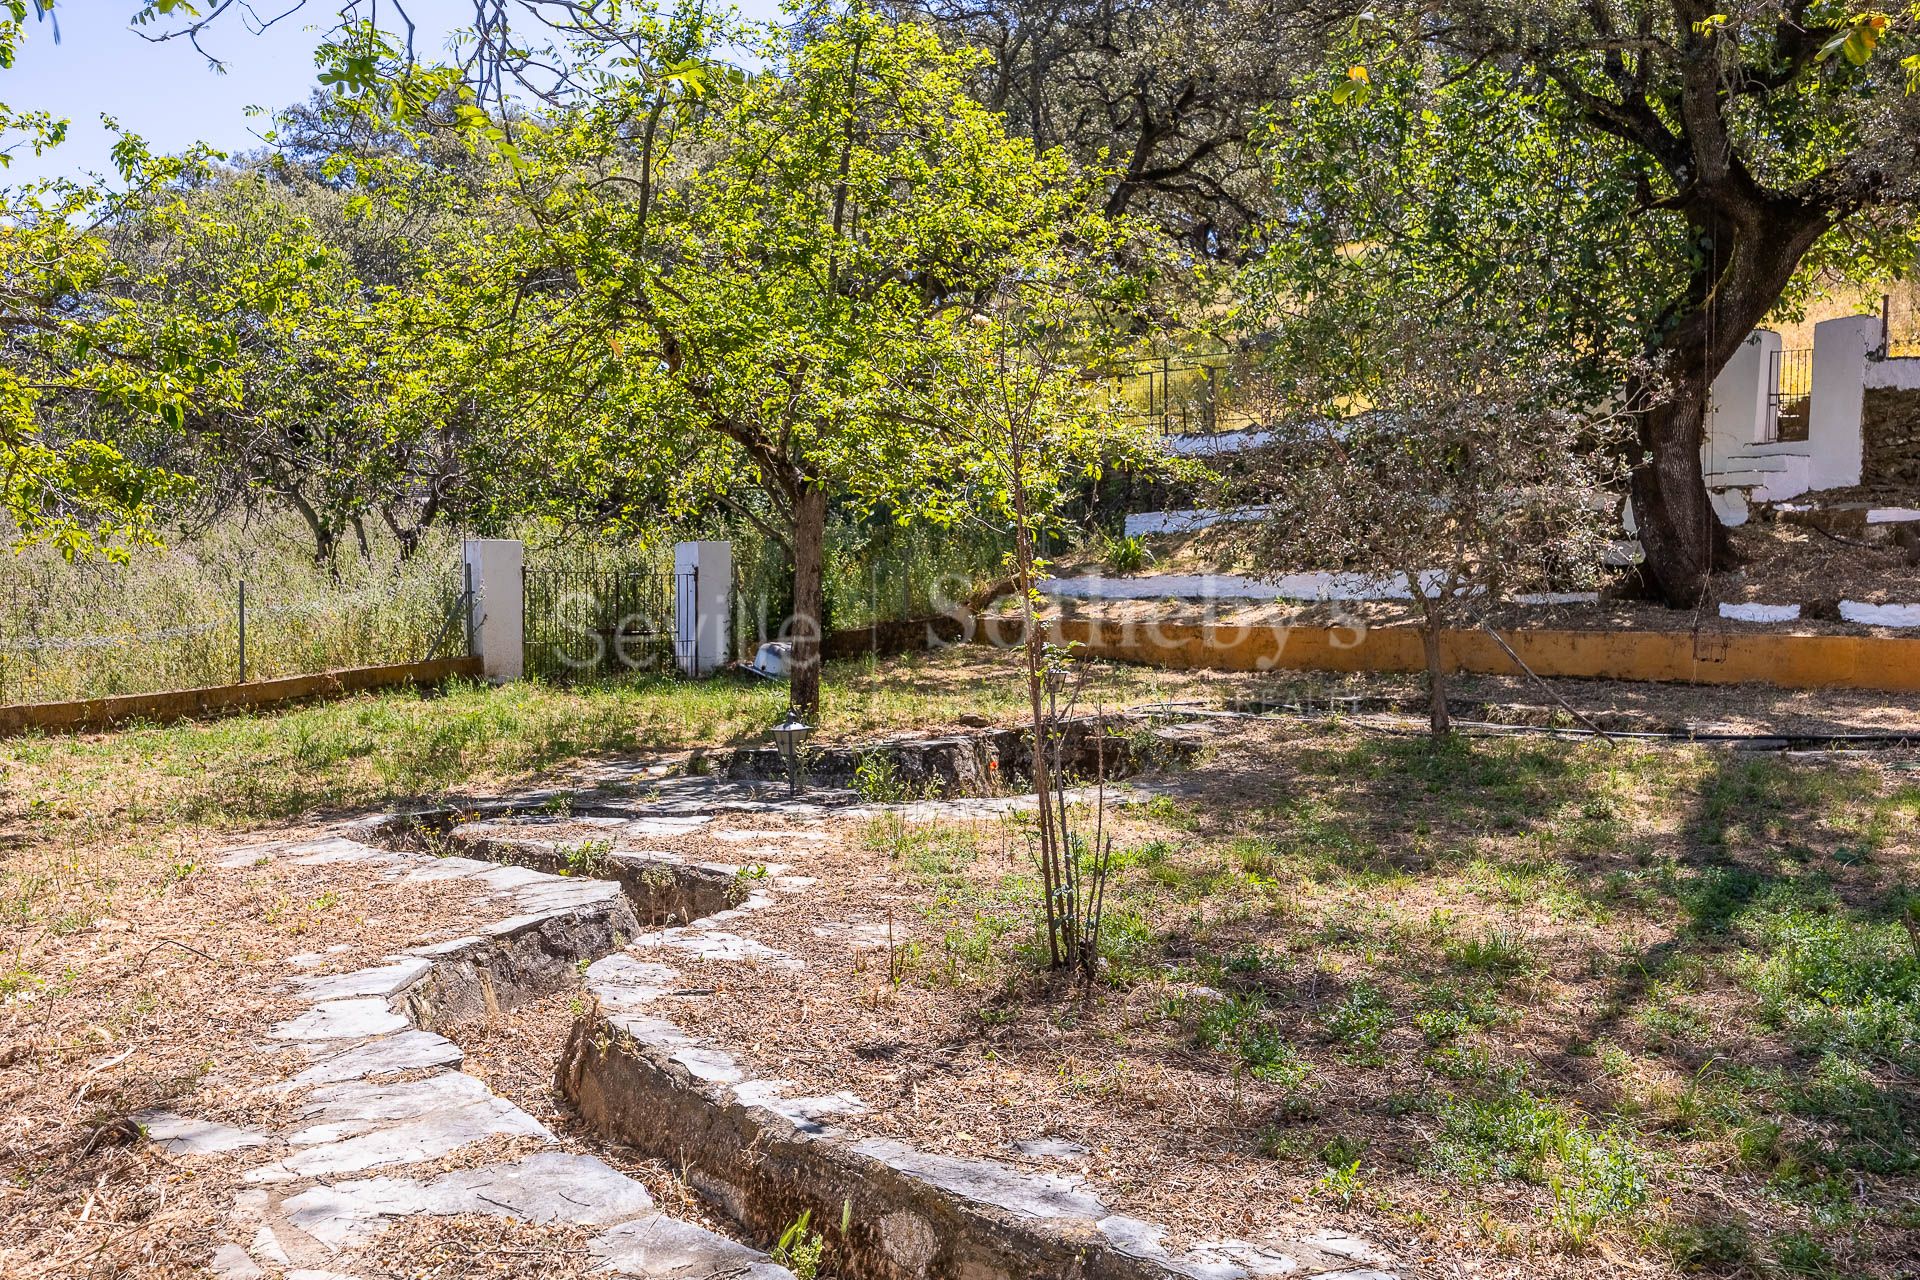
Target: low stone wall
[[980, 763], [886, 639], [763, 1156], [191, 704], [909, 1215], [1890, 431]]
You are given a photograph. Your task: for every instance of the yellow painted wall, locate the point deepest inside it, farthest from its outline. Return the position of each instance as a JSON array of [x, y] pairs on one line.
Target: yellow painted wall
[[1890, 663]]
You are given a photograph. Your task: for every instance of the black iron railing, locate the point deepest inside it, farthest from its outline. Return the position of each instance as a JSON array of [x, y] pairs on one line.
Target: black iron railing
[[590, 623], [1789, 393]]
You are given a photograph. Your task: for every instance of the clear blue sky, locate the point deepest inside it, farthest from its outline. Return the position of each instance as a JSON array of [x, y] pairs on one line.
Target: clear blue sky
[[167, 92]]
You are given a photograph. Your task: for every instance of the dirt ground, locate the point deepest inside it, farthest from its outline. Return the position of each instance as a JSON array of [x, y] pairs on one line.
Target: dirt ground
[[165, 1004]]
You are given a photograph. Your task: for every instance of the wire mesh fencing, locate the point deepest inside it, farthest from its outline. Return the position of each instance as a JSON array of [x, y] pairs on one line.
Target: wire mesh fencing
[[88, 630]]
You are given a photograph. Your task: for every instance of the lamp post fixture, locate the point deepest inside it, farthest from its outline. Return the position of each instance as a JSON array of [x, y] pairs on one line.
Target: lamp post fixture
[[790, 733]]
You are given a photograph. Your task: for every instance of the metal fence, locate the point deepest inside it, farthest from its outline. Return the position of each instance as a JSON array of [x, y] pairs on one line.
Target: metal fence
[[1789, 393], [587, 623], [1192, 393], [101, 630]]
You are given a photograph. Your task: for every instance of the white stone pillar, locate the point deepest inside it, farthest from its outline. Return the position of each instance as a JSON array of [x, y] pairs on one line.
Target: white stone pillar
[[1739, 411], [703, 594], [495, 570], [1840, 349]]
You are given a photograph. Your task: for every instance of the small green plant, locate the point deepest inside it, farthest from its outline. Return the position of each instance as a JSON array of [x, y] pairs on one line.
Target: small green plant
[[1341, 1184], [590, 859], [799, 1249], [1238, 1026], [1799, 1253], [1341, 1150], [1126, 554], [1361, 1018], [878, 780], [1495, 951]]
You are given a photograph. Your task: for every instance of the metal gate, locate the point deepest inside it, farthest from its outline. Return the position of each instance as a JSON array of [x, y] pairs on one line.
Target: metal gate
[[1789, 393], [590, 623]]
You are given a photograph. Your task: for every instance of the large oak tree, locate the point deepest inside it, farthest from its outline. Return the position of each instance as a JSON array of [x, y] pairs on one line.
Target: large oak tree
[[1765, 140]]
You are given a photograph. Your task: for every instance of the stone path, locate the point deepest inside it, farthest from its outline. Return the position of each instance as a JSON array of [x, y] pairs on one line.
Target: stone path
[[375, 1097], [758, 1148]]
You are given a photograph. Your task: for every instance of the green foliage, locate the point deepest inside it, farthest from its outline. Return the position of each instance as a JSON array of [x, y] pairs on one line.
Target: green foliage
[[1455, 192], [1127, 554], [1238, 1025], [1341, 1184], [1494, 951], [878, 781], [799, 1249], [1516, 1134], [1837, 982], [1360, 1018], [590, 859], [79, 347]]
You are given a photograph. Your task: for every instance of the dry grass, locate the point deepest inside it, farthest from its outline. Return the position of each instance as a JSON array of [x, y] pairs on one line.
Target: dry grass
[[165, 1003]]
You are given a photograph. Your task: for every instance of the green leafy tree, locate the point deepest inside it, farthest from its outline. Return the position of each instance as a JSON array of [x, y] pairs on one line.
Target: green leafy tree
[[744, 279], [1762, 145], [1162, 99], [1447, 192], [348, 399], [71, 347]]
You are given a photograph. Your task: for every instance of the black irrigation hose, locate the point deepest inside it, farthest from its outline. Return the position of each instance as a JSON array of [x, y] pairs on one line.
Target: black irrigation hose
[[1493, 729]]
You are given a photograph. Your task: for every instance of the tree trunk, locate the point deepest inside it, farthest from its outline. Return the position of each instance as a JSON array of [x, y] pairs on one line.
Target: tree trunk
[[1437, 716], [1751, 256], [1674, 518], [804, 630]]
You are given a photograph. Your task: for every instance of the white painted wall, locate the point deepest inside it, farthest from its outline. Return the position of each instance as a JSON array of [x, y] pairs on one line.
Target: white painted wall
[[1200, 446], [1901, 374], [1188, 520], [1738, 412], [1840, 359], [495, 568], [702, 618]]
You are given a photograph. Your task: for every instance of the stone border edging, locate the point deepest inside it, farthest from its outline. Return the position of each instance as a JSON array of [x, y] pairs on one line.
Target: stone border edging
[[382, 1093], [764, 1157]]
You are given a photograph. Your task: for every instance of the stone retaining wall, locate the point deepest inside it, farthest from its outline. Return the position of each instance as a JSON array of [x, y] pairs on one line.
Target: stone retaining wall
[[1890, 427], [980, 763]]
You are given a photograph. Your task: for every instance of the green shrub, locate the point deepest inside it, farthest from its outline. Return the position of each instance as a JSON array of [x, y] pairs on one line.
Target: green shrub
[[1495, 951], [1516, 1134], [1361, 1018], [1238, 1026], [1126, 554]]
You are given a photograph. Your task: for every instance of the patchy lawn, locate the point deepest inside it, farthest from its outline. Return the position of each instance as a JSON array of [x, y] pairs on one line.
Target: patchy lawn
[[1535, 1007]]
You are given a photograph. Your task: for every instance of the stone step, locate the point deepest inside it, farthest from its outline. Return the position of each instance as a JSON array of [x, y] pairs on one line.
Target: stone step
[[373, 1096]]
